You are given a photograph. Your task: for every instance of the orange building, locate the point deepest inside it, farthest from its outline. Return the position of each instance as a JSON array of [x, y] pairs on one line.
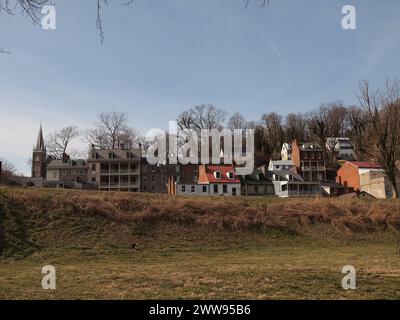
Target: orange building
[[350, 172]]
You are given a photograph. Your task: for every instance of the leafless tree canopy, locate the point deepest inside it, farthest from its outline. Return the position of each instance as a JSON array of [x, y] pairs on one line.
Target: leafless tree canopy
[[112, 132], [273, 131], [7, 170], [237, 121], [382, 108], [202, 117], [30, 8], [296, 127], [58, 141]]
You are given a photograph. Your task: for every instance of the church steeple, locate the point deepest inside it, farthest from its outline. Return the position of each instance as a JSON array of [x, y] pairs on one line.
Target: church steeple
[[40, 141], [39, 163]]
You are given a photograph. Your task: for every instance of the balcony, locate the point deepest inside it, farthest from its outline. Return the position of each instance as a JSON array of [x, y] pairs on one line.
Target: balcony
[[119, 185], [313, 168], [119, 172]]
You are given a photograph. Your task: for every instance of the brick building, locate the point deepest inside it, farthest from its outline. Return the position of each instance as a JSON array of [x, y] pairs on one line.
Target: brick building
[[309, 161]]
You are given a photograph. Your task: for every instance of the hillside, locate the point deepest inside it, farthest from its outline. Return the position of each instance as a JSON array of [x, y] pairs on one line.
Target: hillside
[[33, 219], [136, 246]]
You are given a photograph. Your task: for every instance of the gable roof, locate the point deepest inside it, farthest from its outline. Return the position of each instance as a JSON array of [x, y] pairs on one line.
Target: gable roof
[[56, 164], [224, 169], [257, 177], [366, 165], [282, 162], [284, 173]]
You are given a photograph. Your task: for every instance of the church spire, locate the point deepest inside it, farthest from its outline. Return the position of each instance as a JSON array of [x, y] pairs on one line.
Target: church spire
[[40, 141]]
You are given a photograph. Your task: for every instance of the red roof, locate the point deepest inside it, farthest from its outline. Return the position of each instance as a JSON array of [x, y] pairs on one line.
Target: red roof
[[367, 165], [224, 169]]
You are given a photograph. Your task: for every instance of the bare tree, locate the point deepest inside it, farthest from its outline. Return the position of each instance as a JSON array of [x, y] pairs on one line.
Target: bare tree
[[358, 132], [30, 8], [273, 132], [112, 132], [295, 127], [326, 125], [58, 141], [237, 121], [382, 107], [7, 170], [202, 117]]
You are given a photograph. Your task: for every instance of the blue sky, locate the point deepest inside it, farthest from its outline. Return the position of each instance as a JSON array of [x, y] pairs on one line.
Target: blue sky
[[161, 57]]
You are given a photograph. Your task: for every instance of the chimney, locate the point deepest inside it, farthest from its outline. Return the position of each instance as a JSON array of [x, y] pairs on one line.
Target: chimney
[[65, 157], [140, 150]]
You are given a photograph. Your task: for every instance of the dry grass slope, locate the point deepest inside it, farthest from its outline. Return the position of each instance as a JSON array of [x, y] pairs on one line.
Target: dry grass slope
[[253, 248], [33, 218]]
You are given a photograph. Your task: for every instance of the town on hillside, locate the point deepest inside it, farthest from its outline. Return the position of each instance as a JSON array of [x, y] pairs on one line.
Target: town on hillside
[[303, 170]]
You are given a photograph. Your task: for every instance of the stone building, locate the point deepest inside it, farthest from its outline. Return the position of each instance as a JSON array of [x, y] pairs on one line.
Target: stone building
[[114, 170]]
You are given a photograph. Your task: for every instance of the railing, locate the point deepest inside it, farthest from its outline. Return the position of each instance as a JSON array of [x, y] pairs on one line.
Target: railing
[[313, 168], [119, 172], [122, 185]]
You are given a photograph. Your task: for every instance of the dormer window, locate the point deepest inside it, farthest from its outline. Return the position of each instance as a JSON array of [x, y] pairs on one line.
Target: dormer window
[[94, 155], [111, 155], [217, 174], [230, 175]]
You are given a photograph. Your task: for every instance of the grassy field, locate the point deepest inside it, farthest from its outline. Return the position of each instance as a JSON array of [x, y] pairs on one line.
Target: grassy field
[[195, 248]]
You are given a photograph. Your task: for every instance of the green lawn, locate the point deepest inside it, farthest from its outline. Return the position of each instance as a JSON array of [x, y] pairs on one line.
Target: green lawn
[[275, 269]]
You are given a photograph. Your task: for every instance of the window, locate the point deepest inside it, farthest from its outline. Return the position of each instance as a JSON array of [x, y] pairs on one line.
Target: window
[[215, 188], [94, 155], [144, 188], [204, 189], [277, 166], [230, 175], [111, 155], [94, 179], [153, 169], [284, 187], [152, 178], [193, 189], [256, 189], [290, 177], [183, 188], [225, 188], [93, 167], [217, 174]]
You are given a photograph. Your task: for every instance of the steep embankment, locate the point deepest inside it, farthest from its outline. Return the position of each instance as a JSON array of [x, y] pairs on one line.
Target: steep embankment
[[37, 219]]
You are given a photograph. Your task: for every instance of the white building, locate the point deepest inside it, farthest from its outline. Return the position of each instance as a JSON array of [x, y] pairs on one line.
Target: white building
[[280, 165], [286, 152], [343, 148]]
